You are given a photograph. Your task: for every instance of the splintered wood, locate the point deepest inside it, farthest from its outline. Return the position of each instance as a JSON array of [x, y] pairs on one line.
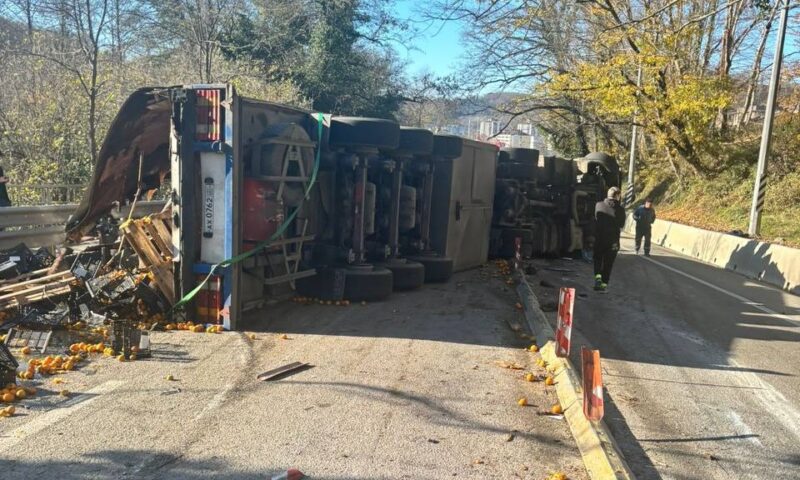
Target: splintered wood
[[35, 290], [150, 238]]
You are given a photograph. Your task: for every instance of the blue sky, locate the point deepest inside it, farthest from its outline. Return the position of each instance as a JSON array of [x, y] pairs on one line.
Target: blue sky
[[438, 47]]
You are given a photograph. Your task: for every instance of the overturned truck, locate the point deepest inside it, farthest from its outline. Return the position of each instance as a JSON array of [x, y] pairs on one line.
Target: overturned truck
[[266, 200], [546, 203]]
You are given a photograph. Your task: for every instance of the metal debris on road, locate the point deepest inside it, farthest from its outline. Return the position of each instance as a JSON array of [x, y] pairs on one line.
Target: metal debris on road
[[277, 372]]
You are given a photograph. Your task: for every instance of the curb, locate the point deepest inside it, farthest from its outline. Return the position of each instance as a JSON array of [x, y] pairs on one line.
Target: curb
[[601, 454]]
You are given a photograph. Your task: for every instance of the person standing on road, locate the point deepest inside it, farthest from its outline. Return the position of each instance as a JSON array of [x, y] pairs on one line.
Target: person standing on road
[[645, 215], [4, 200], [609, 219]]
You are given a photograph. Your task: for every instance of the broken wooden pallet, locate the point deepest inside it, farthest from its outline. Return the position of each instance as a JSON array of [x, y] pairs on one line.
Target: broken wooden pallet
[[35, 290], [151, 239]]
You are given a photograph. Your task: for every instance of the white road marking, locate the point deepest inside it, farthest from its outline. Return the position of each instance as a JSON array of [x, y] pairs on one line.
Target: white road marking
[[57, 414], [772, 401], [742, 429], [744, 300]]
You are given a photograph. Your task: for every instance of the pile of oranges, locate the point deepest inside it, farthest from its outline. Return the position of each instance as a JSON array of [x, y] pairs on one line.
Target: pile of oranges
[[12, 393], [51, 365], [193, 327], [319, 301]]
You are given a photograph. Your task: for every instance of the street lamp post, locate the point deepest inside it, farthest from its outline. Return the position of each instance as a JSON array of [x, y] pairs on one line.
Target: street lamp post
[[630, 194], [760, 189]]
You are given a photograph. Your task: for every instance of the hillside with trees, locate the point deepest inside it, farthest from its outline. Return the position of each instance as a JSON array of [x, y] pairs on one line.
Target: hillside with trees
[[69, 64], [703, 65]]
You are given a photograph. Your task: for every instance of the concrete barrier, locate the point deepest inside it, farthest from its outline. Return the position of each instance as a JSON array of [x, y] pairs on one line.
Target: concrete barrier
[[773, 264]]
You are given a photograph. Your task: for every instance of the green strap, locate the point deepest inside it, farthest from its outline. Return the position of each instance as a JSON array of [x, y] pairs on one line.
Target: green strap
[[281, 229]]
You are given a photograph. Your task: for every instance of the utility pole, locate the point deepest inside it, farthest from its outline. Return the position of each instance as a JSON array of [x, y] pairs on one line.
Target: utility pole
[[760, 188], [630, 194]]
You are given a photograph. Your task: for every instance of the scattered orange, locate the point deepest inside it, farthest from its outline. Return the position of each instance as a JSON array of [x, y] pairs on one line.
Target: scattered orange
[[121, 357], [21, 394], [26, 350], [549, 380], [529, 377], [64, 393], [169, 377], [252, 336], [534, 348], [8, 397], [556, 409], [522, 402]]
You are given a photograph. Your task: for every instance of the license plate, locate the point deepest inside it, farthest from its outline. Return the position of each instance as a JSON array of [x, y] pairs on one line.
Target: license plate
[[208, 207]]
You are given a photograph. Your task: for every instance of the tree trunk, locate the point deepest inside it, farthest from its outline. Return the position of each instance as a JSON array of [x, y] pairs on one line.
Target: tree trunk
[[755, 73]]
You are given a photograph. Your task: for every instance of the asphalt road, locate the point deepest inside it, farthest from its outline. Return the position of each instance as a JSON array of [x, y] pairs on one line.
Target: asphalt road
[[701, 365], [406, 388]]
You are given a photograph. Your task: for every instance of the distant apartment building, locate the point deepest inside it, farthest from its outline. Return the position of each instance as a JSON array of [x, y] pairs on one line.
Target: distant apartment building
[[488, 128], [526, 129], [515, 140]]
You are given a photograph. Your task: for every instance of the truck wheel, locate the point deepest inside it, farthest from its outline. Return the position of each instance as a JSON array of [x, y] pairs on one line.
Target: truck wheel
[[327, 284], [415, 141], [437, 269], [407, 275], [523, 155], [364, 132], [447, 146], [518, 170], [367, 283]]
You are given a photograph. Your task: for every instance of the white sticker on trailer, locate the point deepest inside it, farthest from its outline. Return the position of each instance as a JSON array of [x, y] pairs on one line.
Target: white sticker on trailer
[[212, 240]]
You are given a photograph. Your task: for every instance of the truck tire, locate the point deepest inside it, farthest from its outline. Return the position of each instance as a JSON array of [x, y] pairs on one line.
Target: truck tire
[[518, 170], [407, 275], [523, 155], [447, 146], [415, 141], [437, 269], [367, 283], [364, 132], [327, 284]]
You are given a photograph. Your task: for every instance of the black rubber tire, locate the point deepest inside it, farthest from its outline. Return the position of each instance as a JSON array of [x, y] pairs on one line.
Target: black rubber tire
[[415, 141], [447, 146], [521, 171], [364, 132], [523, 155], [367, 284], [437, 269], [327, 284], [407, 275]]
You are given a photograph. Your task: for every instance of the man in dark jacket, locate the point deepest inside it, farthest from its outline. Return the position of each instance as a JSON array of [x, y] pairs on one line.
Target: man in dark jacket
[[4, 200], [645, 215], [609, 219]]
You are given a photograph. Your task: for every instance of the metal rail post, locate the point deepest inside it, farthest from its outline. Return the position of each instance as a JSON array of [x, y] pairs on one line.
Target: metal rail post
[[760, 188], [630, 193]]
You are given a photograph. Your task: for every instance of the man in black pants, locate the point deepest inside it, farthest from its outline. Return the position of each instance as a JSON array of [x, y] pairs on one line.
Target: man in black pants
[[645, 215], [4, 200], [609, 219]]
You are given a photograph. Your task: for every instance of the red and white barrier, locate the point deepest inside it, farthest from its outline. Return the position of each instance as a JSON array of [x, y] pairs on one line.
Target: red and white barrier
[[566, 304], [291, 474], [593, 406]]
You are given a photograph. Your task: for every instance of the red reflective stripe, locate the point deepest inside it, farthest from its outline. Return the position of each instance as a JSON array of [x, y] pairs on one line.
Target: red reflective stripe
[[209, 116]]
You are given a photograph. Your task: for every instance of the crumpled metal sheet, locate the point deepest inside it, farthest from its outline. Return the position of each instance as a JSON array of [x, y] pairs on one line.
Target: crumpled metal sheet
[[141, 126]]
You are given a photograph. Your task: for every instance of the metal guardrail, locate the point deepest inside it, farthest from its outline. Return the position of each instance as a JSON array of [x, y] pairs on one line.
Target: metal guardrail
[[43, 226]]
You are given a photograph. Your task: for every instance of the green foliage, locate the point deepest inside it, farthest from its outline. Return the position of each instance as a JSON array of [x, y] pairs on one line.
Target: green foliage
[[323, 49]]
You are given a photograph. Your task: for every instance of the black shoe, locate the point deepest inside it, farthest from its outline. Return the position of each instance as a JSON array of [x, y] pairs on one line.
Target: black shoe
[[646, 254]]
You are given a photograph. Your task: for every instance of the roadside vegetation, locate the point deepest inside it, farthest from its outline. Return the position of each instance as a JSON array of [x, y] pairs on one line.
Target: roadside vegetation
[[69, 64], [704, 69]]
